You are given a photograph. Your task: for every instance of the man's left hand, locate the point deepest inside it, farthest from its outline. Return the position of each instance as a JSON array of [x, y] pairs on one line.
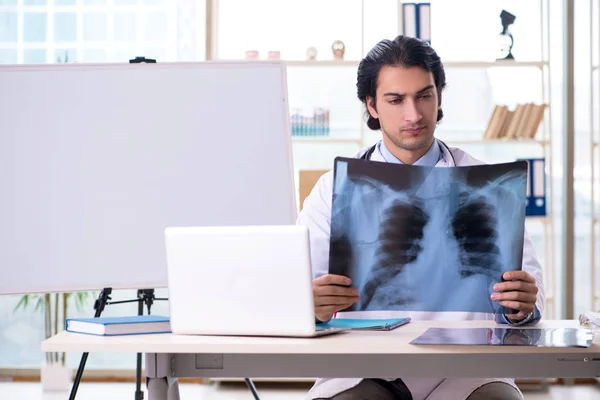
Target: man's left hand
[[518, 292]]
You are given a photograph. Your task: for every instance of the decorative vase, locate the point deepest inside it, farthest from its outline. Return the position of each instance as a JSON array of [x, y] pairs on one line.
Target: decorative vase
[[252, 55], [274, 55], [338, 48]]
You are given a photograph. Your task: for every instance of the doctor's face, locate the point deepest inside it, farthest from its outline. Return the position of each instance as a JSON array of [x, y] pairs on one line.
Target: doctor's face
[[406, 104]]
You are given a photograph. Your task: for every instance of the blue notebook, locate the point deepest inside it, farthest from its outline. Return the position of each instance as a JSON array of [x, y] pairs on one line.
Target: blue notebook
[[366, 324], [112, 326]]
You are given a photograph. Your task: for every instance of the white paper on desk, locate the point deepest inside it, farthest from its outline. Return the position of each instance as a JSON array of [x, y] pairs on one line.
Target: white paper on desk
[[538, 337]]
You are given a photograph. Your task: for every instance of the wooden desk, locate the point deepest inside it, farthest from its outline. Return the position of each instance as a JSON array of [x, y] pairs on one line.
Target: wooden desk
[[351, 354]]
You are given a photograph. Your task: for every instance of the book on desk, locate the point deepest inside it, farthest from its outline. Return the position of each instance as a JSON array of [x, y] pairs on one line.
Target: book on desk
[[113, 326]]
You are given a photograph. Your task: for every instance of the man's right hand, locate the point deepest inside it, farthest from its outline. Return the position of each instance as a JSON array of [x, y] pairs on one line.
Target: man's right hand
[[332, 293]]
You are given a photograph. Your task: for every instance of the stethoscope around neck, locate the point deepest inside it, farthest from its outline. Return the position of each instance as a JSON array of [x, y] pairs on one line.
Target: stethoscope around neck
[[369, 153]]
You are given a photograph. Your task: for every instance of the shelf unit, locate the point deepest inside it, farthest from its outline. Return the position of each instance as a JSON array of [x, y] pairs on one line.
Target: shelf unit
[[449, 64], [360, 140]]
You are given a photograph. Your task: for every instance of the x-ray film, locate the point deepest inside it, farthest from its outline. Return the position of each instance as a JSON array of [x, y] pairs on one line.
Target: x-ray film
[[416, 238], [539, 337]]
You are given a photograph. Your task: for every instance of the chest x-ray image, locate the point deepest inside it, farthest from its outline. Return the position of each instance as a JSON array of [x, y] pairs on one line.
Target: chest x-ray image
[[426, 238]]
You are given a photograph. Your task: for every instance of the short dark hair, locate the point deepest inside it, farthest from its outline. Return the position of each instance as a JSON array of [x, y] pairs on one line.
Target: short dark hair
[[403, 51]]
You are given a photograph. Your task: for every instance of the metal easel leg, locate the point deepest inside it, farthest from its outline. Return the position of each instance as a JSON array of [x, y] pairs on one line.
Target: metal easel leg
[[252, 388], [99, 305]]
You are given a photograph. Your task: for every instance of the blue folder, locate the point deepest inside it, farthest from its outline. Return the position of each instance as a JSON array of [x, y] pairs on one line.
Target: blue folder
[[365, 324], [536, 187]]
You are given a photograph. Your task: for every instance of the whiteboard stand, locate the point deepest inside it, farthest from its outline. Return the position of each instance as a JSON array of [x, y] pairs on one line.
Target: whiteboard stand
[[99, 215], [138, 60], [144, 296], [99, 305], [252, 388]]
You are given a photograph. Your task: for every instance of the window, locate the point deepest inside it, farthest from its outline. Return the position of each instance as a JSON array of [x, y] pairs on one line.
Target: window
[[46, 31]]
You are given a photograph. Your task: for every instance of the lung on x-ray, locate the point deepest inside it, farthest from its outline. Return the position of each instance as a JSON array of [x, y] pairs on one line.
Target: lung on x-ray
[[419, 238]]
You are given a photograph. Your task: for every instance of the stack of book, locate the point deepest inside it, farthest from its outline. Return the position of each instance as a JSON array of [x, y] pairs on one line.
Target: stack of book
[[521, 123]]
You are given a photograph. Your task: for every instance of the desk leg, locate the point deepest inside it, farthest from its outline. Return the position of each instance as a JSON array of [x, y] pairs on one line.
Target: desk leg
[[163, 389], [161, 385], [158, 389], [173, 393]]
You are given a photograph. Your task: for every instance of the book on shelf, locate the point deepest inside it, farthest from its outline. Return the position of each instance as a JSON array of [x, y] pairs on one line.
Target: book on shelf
[[536, 187], [521, 123], [416, 20]]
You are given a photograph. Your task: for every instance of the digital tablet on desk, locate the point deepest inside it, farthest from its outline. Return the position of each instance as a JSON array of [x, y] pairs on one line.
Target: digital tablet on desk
[[366, 324]]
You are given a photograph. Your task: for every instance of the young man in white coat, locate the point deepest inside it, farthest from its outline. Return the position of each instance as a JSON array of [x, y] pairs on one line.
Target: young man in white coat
[[401, 83]]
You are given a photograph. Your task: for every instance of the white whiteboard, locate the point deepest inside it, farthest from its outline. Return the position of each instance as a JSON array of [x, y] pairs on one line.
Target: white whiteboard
[[97, 160]]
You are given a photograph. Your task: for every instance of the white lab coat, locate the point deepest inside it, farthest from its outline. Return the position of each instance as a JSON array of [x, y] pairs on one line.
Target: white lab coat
[[316, 215]]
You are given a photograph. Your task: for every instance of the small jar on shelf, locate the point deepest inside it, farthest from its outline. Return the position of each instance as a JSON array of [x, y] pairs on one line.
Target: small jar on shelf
[[315, 124]]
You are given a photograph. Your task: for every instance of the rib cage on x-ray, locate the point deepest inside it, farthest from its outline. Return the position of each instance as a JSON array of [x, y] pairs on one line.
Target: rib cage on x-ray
[[475, 228], [400, 243], [432, 242]]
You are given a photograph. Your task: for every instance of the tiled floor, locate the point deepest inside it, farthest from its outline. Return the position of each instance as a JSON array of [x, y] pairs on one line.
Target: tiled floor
[[125, 391]]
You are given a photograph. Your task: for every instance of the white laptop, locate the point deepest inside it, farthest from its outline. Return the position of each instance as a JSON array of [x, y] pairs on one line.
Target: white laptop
[[241, 280]]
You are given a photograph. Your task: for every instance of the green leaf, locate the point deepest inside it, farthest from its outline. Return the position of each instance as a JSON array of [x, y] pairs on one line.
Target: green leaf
[[27, 299], [80, 300], [22, 303], [40, 304]]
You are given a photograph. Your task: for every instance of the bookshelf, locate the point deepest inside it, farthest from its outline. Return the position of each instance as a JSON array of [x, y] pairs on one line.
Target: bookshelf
[[501, 141], [450, 64]]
